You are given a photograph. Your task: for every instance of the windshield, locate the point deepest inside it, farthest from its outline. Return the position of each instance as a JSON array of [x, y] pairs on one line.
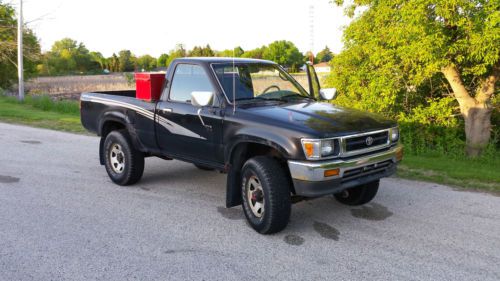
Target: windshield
[[257, 81]]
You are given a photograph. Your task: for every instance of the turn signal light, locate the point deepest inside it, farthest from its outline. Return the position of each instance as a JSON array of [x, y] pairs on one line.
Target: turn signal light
[[331, 173], [309, 148]]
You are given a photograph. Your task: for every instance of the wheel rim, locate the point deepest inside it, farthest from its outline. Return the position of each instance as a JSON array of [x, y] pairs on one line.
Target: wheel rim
[[255, 196], [117, 158]]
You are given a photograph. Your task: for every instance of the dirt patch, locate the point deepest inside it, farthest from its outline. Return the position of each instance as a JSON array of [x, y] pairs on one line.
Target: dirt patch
[[373, 212], [8, 179], [326, 231], [294, 240], [31, 141]]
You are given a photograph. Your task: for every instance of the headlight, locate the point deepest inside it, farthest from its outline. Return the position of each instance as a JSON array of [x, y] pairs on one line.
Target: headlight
[[316, 149], [394, 134]]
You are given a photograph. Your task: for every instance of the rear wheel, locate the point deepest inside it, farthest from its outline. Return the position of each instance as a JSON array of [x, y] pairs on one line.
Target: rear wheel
[[266, 194], [358, 195], [124, 164]]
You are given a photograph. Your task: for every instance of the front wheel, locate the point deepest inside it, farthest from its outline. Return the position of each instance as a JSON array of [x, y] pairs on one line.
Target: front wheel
[[266, 194], [358, 195], [124, 164]]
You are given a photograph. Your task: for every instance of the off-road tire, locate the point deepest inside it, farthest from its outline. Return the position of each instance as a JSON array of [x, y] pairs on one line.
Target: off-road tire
[[358, 195], [133, 159], [275, 185]]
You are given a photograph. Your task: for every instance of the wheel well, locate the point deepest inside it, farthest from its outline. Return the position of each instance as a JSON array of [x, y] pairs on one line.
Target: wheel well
[[110, 126], [107, 128], [240, 154], [250, 149]]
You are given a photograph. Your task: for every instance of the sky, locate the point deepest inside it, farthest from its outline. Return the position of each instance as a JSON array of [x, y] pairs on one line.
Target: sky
[[154, 26]]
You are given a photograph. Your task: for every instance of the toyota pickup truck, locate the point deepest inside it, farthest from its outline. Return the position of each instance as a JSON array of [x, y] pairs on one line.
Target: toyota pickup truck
[[277, 142]]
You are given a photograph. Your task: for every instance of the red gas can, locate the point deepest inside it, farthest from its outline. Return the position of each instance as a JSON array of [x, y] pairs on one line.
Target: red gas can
[[148, 86]]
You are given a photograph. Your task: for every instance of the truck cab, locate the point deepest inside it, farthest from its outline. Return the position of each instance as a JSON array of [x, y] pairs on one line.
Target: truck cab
[[278, 142]]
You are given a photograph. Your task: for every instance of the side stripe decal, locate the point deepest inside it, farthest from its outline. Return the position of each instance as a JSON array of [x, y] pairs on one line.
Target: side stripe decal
[[172, 127]]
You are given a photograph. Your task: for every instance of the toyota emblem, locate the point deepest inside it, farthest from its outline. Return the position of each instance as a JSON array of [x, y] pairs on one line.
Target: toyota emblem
[[369, 141]]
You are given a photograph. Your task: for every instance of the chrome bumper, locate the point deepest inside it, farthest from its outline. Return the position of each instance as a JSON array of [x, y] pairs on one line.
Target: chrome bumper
[[314, 171]]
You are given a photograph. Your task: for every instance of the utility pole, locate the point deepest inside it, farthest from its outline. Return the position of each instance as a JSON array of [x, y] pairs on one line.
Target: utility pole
[[20, 67]]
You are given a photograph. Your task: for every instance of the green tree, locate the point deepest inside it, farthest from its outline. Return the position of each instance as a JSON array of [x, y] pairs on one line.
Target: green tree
[[257, 53], [199, 51], [126, 61], [98, 58], [8, 48], [162, 60], [113, 63], [325, 55], [284, 53], [68, 56], [228, 53], [394, 49], [178, 52], [307, 57], [146, 62]]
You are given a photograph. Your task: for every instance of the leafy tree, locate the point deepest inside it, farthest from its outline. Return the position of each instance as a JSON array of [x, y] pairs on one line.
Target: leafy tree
[[162, 60], [395, 49], [284, 53], [146, 62], [199, 51], [98, 58], [178, 52], [307, 57], [68, 56], [236, 52], [8, 48], [325, 55], [126, 61], [113, 63], [257, 53]]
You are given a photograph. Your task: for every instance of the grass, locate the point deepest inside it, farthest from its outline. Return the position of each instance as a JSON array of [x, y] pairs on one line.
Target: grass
[[475, 174], [42, 112]]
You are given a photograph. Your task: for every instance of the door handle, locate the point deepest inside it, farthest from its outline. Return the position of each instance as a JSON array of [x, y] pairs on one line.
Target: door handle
[[166, 110]]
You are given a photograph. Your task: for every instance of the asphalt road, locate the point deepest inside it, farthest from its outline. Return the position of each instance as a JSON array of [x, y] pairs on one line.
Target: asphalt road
[[61, 218]]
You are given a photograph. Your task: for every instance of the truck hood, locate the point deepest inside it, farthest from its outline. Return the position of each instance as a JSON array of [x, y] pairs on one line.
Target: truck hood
[[321, 119]]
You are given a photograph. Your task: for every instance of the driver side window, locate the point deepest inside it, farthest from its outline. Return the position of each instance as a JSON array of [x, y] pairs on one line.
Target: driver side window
[[188, 78]]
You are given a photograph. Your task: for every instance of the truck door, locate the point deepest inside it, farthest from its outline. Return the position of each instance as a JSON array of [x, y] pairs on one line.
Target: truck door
[[180, 131]]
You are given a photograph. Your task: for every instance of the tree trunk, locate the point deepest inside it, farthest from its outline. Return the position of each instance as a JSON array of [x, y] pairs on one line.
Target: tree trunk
[[476, 111], [477, 129]]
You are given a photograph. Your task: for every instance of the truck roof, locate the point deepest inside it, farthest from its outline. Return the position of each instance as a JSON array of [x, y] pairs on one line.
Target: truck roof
[[222, 60]]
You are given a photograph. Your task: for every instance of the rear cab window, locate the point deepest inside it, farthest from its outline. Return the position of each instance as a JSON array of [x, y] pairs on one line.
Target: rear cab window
[[187, 79]]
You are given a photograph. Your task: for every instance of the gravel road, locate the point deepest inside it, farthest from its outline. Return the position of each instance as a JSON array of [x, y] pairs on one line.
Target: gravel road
[[61, 218]]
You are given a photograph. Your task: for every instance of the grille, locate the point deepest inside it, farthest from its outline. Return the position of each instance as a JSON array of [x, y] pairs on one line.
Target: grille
[[360, 142]]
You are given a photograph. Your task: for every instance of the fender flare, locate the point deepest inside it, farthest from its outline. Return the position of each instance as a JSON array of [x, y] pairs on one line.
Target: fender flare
[[235, 162], [118, 117]]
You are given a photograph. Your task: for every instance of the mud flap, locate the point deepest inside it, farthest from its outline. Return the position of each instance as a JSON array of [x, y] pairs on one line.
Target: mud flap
[[233, 189]]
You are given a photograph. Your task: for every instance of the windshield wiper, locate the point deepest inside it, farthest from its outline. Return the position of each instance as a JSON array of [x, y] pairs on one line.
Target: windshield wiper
[[298, 96], [260, 99]]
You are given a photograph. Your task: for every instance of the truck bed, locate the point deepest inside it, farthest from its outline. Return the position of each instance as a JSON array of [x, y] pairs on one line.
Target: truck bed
[[98, 108]]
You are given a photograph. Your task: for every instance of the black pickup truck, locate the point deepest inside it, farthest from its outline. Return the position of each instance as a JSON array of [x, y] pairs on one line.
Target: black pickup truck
[[277, 142]]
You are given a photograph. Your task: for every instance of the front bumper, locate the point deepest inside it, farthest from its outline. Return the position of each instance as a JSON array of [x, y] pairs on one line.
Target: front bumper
[[309, 177]]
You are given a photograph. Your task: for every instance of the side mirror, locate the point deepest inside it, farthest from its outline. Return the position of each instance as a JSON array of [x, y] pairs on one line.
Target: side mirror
[[328, 94], [200, 99]]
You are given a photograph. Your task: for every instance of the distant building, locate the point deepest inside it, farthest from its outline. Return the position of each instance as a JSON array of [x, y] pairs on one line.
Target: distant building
[[322, 67]]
